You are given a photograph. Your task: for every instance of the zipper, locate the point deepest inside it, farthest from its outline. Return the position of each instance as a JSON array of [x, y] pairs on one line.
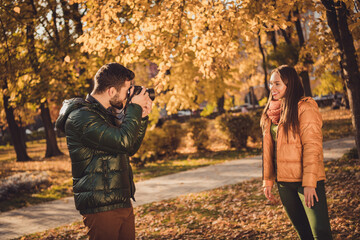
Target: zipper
[[276, 148], [131, 180], [105, 174]]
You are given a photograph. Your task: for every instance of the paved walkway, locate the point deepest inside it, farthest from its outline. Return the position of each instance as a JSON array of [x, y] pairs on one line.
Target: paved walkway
[[45, 216]]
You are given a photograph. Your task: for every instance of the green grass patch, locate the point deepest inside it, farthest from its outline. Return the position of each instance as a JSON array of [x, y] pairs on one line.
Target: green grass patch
[[55, 191], [41, 195], [191, 161]]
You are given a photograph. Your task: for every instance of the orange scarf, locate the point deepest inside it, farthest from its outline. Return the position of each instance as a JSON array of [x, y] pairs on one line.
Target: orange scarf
[[274, 111]]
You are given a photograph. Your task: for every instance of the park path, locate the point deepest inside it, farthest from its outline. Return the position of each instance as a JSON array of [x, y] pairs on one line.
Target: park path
[[53, 214]]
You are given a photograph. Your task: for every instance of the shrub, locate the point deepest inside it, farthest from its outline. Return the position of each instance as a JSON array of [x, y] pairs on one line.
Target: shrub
[[5, 139], [199, 133], [159, 142], [237, 127], [22, 182], [174, 133], [36, 135], [256, 132], [263, 101], [209, 109], [151, 148]]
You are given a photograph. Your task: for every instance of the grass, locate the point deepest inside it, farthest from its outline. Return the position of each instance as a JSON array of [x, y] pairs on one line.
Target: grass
[[239, 211], [183, 162], [59, 168], [35, 149]]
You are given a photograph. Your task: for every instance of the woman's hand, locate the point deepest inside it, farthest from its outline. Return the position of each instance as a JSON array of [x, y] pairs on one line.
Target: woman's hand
[[268, 194], [309, 194]]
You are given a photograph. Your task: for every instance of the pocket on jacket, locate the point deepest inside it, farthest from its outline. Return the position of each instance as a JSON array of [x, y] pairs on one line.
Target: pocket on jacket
[[289, 164], [289, 152], [289, 170]]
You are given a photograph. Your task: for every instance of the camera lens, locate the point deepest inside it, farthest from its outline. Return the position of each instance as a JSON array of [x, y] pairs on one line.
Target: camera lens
[[150, 91]]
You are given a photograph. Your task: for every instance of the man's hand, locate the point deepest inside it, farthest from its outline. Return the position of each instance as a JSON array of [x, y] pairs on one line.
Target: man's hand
[[147, 108], [309, 194], [144, 101]]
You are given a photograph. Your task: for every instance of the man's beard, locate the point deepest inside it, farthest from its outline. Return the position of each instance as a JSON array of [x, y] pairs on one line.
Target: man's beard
[[116, 103]]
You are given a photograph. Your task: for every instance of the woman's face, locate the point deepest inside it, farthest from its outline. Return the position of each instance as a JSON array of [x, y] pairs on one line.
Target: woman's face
[[277, 86]]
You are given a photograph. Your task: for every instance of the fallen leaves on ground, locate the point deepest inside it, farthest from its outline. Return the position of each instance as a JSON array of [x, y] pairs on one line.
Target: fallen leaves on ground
[[337, 124], [239, 212]]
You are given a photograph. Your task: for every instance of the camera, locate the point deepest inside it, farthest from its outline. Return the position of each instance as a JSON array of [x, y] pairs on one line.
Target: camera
[[137, 90]]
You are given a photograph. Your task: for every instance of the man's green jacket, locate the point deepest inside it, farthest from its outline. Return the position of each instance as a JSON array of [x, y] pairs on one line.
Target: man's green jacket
[[99, 152]]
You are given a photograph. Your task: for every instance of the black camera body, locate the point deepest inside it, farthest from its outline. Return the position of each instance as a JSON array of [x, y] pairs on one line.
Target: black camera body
[[137, 90]]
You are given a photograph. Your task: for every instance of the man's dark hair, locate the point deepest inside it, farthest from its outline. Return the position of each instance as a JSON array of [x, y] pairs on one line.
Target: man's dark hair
[[111, 75]]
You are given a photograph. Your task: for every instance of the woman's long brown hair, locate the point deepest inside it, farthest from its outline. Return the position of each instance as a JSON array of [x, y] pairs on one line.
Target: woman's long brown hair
[[294, 92]]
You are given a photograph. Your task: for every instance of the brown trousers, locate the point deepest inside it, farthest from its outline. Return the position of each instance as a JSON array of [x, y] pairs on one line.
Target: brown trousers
[[117, 224]]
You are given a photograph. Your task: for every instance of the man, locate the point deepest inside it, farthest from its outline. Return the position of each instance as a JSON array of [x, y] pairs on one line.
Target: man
[[100, 147]]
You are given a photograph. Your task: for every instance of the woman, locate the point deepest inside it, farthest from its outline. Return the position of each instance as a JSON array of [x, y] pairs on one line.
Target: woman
[[293, 155]]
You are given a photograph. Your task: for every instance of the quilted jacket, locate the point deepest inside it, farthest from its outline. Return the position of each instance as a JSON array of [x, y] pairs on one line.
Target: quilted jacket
[[99, 150], [300, 157]]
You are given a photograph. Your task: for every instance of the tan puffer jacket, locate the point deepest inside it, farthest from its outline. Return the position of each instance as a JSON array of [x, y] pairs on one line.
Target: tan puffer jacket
[[300, 159]]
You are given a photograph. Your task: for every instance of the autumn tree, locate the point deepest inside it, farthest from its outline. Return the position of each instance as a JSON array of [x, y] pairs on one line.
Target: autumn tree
[[339, 19], [54, 66], [12, 59], [207, 36], [59, 69], [31, 11], [213, 40]]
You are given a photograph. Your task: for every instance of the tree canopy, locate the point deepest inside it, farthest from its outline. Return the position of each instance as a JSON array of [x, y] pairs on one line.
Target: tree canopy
[[190, 51]]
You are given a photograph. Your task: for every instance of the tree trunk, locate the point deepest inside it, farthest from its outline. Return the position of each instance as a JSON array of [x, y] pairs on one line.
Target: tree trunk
[[346, 97], [19, 145], [337, 21], [286, 36], [272, 37], [220, 104], [52, 148], [287, 32], [306, 83], [267, 90], [333, 24], [303, 74], [253, 99], [22, 132], [76, 17], [67, 15], [51, 144]]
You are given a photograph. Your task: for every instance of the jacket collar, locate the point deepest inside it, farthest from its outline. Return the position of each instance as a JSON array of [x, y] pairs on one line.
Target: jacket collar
[[92, 100], [110, 110]]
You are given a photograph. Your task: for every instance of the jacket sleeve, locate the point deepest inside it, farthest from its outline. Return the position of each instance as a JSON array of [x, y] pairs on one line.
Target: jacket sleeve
[[311, 139], [98, 134], [269, 175], [140, 137]]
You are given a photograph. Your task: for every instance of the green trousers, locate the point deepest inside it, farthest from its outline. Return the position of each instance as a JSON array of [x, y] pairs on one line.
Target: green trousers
[[310, 223]]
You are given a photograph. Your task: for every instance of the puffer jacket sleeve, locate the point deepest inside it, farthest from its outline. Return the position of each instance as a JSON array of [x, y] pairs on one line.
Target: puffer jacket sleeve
[[269, 175], [311, 139], [140, 137], [98, 134]]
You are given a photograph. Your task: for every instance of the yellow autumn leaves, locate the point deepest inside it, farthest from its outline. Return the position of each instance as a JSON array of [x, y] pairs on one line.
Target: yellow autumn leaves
[[220, 36]]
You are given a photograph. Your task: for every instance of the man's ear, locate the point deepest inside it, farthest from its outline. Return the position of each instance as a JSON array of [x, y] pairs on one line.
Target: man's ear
[[111, 92]]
